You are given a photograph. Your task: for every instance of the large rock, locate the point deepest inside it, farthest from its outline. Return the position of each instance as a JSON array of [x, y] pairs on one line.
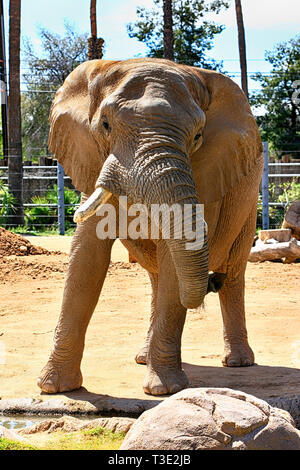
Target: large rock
[[292, 219], [212, 418]]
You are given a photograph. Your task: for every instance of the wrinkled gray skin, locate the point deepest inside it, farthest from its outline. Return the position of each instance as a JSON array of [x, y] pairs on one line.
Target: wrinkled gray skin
[[147, 123]]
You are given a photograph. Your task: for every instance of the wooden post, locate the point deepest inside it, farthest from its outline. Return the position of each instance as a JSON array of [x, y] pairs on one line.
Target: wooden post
[[265, 188]]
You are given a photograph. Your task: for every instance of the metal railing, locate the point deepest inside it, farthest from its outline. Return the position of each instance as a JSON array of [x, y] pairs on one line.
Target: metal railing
[[265, 184], [60, 178]]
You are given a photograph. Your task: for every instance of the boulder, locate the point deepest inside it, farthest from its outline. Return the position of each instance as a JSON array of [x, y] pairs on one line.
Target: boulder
[[213, 419], [292, 219]]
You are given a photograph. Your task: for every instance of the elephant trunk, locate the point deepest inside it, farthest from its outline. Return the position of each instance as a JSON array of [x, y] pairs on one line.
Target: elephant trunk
[[167, 180], [191, 268]]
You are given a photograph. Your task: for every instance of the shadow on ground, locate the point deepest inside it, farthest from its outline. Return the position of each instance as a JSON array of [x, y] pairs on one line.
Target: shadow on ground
[[264, 382]]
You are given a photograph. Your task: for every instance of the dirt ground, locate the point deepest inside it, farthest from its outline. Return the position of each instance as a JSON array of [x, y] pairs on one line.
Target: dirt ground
[[31, 290]]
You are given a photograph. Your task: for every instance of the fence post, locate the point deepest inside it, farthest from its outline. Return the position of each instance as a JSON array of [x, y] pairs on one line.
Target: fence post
[[265, 188], [61, 199]]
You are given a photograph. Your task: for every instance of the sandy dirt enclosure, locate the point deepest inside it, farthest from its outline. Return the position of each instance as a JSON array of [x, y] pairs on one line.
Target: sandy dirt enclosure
[[31, 288]]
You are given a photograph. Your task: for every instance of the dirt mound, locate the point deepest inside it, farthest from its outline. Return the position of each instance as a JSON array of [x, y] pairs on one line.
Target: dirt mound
[[13, 244], [15, 269]]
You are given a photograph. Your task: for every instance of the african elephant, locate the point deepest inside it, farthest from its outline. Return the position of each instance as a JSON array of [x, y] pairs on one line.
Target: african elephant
[[156, 132]]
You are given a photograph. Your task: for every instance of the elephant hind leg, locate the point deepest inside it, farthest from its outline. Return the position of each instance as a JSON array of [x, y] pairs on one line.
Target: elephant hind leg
[[237, 351]]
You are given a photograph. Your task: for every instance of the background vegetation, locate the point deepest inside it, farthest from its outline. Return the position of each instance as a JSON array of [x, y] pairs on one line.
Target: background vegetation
[[277, 111]]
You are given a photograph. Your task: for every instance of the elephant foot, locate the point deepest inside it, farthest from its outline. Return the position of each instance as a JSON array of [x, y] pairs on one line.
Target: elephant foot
[[141, 357], [238, 355], [56, 378], [164, 382]]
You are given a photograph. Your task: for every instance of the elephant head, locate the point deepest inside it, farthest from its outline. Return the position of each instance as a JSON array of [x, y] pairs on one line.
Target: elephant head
[[130, 129]]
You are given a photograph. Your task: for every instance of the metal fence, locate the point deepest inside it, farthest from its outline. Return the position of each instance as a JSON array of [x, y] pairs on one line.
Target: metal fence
[[274, 171], [38, 180]]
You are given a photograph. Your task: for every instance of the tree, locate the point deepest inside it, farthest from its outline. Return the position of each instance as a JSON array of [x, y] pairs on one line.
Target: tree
[[279, 122], [46, 73], [4, 123], [242, 45], [15, 167], [193, 35], [95, 44], [168, 30]]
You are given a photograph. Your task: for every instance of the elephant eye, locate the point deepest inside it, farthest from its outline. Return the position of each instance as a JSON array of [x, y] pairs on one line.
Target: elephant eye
[[197, 136], [105, 124]]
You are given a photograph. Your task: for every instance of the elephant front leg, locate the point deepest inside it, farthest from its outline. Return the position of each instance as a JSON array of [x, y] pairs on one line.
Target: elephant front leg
[[141, 357], [89, 261], [164, 372]]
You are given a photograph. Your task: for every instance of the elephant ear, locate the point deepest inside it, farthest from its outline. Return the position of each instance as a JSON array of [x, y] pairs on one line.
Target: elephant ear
[[70, 137], [231, 141]]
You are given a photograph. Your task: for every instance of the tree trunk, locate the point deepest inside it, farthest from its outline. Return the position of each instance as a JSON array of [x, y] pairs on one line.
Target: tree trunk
[[93, 19], [242, 45], [95, 45], [168, 30], [287, 251], [3, 87], [15, 166]]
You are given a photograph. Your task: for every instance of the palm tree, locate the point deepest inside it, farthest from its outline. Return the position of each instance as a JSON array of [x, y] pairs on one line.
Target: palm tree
[[168, 30], [15, 166], [242, 45], [93, 16], [95, 44], [3, 87]]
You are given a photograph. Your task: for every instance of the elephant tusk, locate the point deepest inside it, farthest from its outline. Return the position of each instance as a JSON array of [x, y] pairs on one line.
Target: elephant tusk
[[99, 197]]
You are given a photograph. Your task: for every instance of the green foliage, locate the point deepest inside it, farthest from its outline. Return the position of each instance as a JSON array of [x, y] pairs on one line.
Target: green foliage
[[290, 193], [44, 215], [7, 444], [7, 202], [280, 123], [193, 35], [46, 73], [92, 439], [40, 215]]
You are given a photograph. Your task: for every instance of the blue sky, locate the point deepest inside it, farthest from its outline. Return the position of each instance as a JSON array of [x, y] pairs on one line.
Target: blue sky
[[267, 22]]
